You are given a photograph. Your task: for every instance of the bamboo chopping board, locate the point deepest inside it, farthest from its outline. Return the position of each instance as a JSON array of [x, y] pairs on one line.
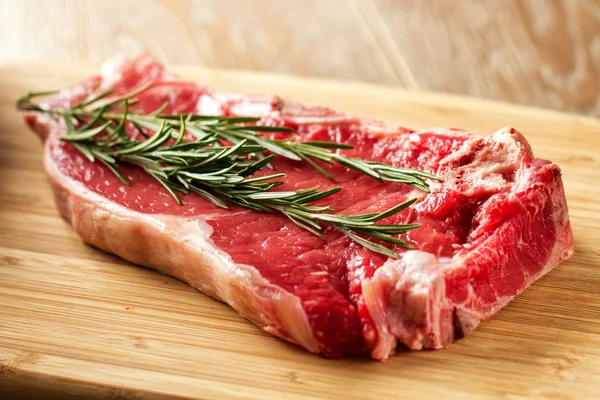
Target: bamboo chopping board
[[78, 323]]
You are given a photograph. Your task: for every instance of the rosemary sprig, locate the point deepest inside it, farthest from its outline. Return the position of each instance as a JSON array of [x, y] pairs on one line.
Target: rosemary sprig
[[234, 130], [216, 156]]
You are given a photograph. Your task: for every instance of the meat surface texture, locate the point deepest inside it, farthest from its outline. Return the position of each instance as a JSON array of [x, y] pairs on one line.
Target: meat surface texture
[[496, 223]]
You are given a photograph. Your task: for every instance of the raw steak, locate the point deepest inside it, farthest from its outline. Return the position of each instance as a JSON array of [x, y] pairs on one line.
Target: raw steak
[[496, 223]]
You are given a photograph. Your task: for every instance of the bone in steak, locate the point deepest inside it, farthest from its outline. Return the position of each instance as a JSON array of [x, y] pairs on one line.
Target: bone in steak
[[496, 223]]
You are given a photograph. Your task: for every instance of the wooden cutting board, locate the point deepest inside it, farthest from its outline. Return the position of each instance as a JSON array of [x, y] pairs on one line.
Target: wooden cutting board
[[78, 323]]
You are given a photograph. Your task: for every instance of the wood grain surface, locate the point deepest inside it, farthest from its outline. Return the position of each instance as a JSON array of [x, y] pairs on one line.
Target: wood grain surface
[[79, 323], [536, 52]]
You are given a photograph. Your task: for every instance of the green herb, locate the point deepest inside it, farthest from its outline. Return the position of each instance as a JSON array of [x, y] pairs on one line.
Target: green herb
[[216, 156]]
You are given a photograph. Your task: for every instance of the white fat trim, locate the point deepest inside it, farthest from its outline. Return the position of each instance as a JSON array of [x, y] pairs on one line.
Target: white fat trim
[[110, 71], [386, 342], [445, 132], [206, 104], [310, 120], [251, 109]]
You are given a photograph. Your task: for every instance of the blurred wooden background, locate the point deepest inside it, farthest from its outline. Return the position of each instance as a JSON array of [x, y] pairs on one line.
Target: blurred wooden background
[[537, 52]]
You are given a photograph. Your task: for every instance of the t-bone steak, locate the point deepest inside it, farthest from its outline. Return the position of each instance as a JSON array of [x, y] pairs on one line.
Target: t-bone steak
[[497, 222]]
